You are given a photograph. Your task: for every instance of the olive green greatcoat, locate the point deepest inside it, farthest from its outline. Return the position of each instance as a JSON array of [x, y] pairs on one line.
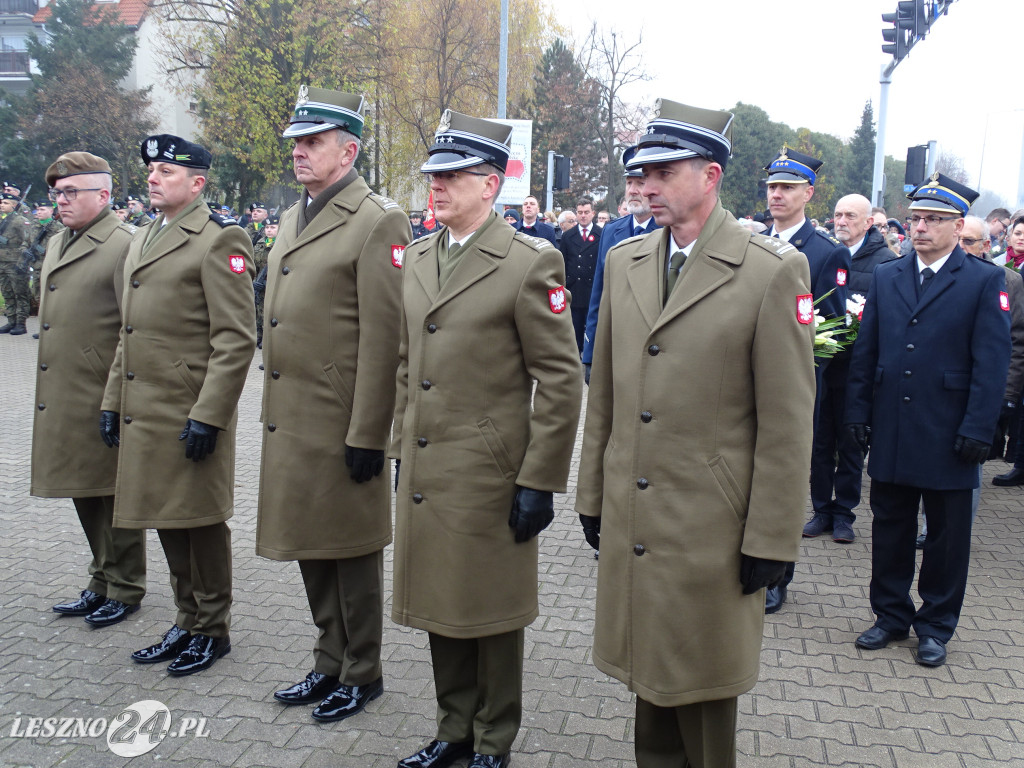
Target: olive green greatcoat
[[186, 343], [79, 319], [696, 449], [330, 351], [466, 430]]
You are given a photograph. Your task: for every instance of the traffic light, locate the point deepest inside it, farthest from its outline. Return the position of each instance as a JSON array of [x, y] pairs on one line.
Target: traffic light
[[563, 165], [901, 37], [917, 165]]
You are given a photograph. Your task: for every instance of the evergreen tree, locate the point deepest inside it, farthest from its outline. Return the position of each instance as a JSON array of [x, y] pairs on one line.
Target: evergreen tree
[[860, 171]]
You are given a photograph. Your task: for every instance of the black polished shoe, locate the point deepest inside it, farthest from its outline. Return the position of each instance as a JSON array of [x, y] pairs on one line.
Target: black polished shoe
[[200, 654], [877, 638], [774, 598], [18, 330], [1013, 477], [347, 700], [174, 641], [111, 612], [931, 652], [438, 754], [314, 688], [490, 761], [86, 603]]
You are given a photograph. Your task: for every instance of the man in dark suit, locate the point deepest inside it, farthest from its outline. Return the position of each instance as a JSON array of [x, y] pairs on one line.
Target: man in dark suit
[[532, 225], [926, 379], [640, 222], [791, 178], [579, 249]]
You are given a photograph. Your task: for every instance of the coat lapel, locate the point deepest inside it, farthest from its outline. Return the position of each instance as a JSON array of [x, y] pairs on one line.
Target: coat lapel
[[423, 264], [645, 278], [175, 236], [905, 281], [86, 242], [477, 262], [943, 279], [334, 214]]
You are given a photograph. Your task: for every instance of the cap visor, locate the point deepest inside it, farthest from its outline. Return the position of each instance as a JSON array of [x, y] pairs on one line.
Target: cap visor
[[449, 161], [787, 178], [658, 154], [306, 129], [934, 205]]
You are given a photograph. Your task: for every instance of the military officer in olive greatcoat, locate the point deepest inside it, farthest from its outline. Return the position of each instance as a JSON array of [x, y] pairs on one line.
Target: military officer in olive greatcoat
[[696, 445], [79, 321], [330, 356], [188, 336], [485, 314]]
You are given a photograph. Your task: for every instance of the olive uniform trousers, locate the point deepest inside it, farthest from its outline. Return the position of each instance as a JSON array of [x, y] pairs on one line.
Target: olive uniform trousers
[[478, 682], [199, 560], [346, 598], [699, 735], [118, 567]]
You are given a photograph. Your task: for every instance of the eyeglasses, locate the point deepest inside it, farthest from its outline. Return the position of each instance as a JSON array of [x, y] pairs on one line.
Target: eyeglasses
[[930, 220], [446, 177], [970, 242], [69, 194]]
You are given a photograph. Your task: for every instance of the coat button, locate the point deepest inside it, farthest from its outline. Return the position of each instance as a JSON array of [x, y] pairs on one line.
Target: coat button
[[46, 326], [273, 322], [127, 419], [285, 270], [130, 375], [128, 329], [642, 483], [906, 399], [431, 328], [910, 347], [271, 427], [417, 498], [914, 321], [275, 374], [653, 350], [425, 384], [908, 374], [646, 417], [53, 287], [422, 442], [42, 406], [639, 549], [135, 283], [43, 366]]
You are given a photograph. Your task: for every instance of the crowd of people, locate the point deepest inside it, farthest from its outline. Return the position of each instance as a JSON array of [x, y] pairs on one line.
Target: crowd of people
[[460, 351]]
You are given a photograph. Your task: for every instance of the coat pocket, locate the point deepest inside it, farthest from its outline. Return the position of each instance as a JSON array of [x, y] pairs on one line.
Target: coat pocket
[[956, 380], [496, 446], [187, 378], [731, 489], [95, 364], [338, 385]]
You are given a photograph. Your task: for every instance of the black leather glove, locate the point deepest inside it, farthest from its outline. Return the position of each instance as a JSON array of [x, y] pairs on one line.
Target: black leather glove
[[757, 573], [532, 512], [586, 374], [591, 530], [110, 428], [398, 469], [363, 463], [969, 450], [861, 434], [200, 439], [1006, 412]]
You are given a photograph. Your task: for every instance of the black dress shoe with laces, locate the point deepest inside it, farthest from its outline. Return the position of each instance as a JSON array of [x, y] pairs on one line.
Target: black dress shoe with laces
[[347, 700], [1013, 477], [174, 641], [86, 603], [110, 613], [490, 761], [200, 654], [438, 754], [315, 687], [877, 638]]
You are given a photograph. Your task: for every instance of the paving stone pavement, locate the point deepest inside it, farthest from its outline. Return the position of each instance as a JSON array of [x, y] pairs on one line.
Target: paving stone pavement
[[820, 702]]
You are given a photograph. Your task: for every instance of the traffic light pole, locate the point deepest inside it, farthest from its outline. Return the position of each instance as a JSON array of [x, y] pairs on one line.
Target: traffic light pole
[[878, 177]]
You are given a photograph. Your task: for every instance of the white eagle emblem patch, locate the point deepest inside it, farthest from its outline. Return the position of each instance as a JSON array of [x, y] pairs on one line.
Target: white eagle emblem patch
[[556, 298], [805, 309], [397, 255], [237, 264]]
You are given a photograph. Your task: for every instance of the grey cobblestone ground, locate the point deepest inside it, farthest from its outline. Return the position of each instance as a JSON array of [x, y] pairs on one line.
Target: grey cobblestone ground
[[820, 702]]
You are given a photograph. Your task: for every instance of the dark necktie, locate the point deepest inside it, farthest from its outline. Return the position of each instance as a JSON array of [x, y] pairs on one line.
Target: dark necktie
[[675, 266], [638, 229], [926, 276]]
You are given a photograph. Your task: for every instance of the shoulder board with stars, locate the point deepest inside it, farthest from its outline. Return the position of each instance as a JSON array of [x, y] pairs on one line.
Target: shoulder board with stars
[[774, 245], [224, 221], [385, 203], [131, 229], [537, 243]]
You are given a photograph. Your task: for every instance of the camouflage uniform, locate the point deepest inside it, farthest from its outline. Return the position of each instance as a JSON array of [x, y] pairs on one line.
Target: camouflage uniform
[[17, 236], [42, 231], [139, 219], [261, 251], [255, 233]]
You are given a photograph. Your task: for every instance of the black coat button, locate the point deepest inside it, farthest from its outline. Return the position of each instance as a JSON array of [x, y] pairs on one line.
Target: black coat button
[[417, 498], [422, 442], [53, 287], [639, 549], [653, 350], [42, 406], [642, 483], [431, 328], [46, 326], [273, 322], [127, 419], [128, 329], [43, 366], [135, 283], [275, 374], [285, 270], [910, 347], [271, 427], [130, 375], [646, 417], [425, 384]]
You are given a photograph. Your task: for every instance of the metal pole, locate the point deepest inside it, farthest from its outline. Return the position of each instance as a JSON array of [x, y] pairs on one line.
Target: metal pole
[[878, 177], [551, 181], [933, 157], [503, 62]]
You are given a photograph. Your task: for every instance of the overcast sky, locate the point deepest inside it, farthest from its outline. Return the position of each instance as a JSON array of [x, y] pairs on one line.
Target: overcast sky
[[814, 63]]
